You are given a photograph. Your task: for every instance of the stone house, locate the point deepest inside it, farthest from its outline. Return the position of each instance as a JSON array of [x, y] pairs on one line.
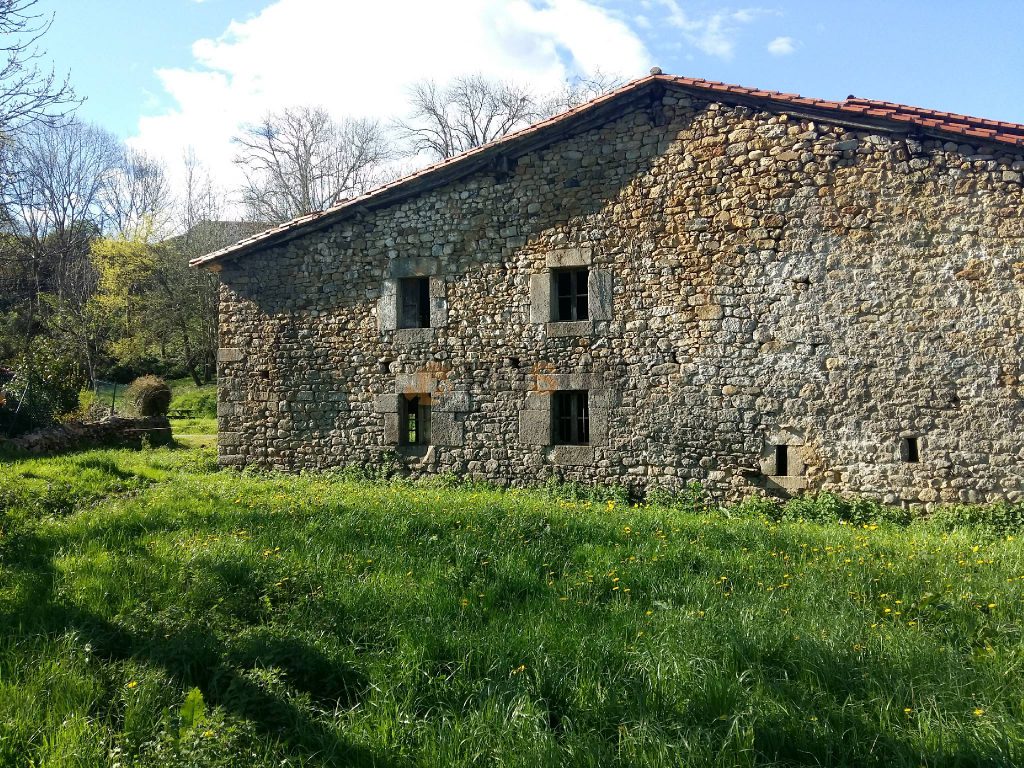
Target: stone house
[[679, 281]]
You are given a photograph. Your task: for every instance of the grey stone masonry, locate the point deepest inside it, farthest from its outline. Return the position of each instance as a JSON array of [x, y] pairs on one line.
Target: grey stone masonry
[[775, 303]]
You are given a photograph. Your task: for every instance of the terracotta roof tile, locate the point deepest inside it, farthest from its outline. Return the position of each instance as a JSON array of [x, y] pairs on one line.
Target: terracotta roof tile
[[944, 123]]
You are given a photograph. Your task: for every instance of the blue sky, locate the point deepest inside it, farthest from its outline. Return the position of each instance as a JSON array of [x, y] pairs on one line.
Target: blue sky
[[176, 73]]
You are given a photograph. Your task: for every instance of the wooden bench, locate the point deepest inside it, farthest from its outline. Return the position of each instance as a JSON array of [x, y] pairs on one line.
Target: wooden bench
[[180, 413]]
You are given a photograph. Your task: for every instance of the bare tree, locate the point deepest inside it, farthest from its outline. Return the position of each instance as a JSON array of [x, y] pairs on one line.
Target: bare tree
[[28, 93], [186, 298], [203, 230], [52, 194], [136, 196], [466, 113], [51, 189], [579, 90], [301, 160]]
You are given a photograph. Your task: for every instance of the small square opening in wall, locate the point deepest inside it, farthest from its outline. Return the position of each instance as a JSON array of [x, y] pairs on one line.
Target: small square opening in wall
[[414, 420], [909, 450], [414, 302], [782, 460], [570, 417], [570, 294]]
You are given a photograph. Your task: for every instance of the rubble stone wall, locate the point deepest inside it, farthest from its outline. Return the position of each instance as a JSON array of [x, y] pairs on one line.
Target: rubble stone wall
[[757, 279], [114, 432]]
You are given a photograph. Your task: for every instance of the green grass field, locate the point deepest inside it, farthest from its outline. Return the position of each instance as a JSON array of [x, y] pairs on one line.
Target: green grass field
[[156, 611]]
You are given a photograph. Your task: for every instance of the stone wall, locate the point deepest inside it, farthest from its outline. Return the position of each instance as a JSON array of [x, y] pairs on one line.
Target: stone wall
[[109, 433], [757, 280]]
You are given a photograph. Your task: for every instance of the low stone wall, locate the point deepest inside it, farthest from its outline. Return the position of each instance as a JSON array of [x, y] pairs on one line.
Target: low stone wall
[[116, 432]]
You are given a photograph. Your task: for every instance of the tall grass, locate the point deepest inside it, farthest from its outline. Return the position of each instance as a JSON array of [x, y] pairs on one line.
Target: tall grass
[[159, 612]]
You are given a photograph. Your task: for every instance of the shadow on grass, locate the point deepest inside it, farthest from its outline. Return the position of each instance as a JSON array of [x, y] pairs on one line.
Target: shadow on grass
[[227, 668], [193, 656], [109, 467]]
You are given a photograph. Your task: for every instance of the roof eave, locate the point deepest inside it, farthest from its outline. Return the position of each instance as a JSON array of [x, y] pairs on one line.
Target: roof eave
[[482, 158]]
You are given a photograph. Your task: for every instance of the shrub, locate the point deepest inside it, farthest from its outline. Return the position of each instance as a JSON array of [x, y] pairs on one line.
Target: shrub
[[755, 507], [575, 491], [825, 507], [30, 400], [148, 396], [90, 409], [95, 410], [693, 498], [999, 516]]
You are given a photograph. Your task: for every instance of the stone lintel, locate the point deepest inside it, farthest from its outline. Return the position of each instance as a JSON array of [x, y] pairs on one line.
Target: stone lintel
[[594, 382], [423, 266], [569, 257], [419, 383]]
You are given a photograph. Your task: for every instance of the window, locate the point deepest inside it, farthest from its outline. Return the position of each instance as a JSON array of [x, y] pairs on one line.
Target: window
[[414, 302], [570, 294], [570, 412], [414, 425], [909, 450], [781, 460]]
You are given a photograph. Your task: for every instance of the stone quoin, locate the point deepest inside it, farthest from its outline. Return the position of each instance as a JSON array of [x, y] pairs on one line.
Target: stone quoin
[[680, 281]]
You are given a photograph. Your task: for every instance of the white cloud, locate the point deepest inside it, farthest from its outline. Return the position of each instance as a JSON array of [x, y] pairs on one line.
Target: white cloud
[[782, 46], [359, 58], [714, 35]]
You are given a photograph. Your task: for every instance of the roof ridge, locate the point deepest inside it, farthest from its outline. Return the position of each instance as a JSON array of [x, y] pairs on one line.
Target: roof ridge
[[936, 113], [944, 123]]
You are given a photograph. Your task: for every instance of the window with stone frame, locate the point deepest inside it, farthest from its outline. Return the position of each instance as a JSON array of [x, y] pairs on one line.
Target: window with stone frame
[[782, 460], [570, 294], [570, 417], [414, 302], [910, 451], [414, 420]]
